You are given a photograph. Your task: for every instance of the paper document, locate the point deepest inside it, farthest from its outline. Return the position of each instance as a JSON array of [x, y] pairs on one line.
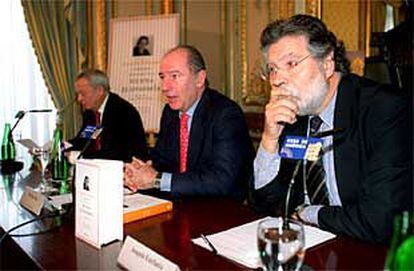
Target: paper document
[[240, 243]]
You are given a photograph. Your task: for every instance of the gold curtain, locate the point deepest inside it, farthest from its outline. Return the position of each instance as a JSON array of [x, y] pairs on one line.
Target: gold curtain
[[58, 36], [378, 9]]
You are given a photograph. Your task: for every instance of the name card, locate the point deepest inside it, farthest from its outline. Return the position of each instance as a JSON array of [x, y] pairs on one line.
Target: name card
[[136, 256], [32, 200]]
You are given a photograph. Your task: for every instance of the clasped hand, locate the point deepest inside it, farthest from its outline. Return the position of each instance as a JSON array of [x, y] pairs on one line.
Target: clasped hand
[[139, 174]]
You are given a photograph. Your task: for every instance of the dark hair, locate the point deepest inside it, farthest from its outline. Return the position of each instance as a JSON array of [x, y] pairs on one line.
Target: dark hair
[[95, 78], [321, 40], [142, 38], [195, 60]]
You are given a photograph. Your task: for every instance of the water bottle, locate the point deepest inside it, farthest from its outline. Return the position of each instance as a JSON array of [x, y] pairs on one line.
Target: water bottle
[[400, 256], [8, 150], [59, 161]]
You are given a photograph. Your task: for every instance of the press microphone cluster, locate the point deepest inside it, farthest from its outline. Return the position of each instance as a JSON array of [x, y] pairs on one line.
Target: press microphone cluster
[[90, 133], [300, 149]]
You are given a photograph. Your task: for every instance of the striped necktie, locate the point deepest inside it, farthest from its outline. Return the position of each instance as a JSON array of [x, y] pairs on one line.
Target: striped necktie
[[315, 177]]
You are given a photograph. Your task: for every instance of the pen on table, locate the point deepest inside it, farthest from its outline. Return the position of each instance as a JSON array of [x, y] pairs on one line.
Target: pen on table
[[209, 243]]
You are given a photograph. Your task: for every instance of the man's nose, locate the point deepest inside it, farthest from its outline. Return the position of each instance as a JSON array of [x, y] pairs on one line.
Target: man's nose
[[165, 85], [277, 78]]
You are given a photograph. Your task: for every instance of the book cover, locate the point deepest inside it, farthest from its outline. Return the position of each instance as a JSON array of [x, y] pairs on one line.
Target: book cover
[[138, 206]]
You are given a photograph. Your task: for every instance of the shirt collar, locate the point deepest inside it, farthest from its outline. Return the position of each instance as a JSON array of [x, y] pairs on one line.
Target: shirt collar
[[190, 111], [327, 115], [102, 107]]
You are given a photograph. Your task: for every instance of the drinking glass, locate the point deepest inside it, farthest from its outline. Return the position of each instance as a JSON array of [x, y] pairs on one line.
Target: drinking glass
[[281, 245], [43, 155]]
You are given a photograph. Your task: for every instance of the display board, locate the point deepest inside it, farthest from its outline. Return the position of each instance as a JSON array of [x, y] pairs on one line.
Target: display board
[[135, 50]]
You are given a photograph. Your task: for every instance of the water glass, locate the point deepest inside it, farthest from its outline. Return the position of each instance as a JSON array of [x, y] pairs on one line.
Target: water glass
[[281, 245]]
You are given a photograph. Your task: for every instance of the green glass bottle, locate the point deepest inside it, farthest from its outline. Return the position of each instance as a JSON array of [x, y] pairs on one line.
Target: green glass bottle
[[59, 161], [401, 253], [8, 150]]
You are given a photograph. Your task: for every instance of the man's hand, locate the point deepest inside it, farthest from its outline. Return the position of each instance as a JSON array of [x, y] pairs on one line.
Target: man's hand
[[139, 175], [299, 215], [282, 108]]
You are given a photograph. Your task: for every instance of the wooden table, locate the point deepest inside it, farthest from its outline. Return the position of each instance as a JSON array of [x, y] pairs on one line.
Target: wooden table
[[169, 234]]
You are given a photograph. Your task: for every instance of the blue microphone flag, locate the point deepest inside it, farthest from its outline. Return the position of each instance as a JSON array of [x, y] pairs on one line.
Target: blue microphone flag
[[301, 148], [88, 131]]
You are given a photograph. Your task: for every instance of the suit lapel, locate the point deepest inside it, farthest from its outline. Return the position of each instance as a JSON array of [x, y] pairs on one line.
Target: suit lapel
[[346, 144], [105, 120], [197, 132], [173, 127]]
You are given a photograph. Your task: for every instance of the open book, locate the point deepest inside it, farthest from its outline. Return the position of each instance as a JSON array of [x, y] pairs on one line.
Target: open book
[[239, 244], [139, 206]]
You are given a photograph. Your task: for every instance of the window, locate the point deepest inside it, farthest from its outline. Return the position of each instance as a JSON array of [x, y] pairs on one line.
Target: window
[[22, 86]]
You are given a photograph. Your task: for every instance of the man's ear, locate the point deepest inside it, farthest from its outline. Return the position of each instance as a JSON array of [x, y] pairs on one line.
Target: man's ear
[[201, 78], [329, 65], [100, 90]]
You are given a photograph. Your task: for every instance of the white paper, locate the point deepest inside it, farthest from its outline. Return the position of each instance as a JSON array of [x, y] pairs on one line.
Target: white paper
[[30, 144], [139, 201], [240, 243], [59, 200]]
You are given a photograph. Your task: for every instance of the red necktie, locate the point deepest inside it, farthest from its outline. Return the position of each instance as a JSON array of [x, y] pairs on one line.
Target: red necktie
[[97, 124], [183, 142]]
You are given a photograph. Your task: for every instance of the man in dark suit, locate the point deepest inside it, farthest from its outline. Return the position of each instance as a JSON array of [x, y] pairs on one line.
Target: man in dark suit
[[364, 176], [203, 147], [122, 135]]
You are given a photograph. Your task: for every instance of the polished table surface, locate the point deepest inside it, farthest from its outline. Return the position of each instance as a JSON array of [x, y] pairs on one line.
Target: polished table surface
[[169, 234]]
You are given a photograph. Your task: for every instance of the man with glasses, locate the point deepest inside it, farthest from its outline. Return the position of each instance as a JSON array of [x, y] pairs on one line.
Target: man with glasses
[[203, 147], [363, 176]]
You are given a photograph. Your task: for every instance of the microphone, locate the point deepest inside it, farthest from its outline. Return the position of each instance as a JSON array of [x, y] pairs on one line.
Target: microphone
[[20, 114], [90, 136], [328, 133], [39, 111]]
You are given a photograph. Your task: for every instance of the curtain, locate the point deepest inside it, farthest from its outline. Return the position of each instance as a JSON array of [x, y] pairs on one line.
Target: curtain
[[21, 83], [57, 30]]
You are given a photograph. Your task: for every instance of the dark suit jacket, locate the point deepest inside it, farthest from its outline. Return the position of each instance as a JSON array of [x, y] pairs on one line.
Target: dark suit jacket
[[220, 152], [371, 158], [122, 136]]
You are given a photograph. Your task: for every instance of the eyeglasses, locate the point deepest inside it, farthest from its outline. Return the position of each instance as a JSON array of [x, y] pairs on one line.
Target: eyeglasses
[[288, 66]]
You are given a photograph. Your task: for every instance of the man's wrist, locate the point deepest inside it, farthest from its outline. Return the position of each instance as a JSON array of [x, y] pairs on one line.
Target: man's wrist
[[270, 145]]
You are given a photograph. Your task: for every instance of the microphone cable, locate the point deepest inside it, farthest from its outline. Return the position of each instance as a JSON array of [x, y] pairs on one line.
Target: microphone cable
[[287, 201], [54, 214]]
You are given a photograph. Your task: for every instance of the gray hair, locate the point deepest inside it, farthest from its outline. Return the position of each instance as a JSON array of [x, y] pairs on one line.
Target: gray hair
[[321, 41], [96, 78]]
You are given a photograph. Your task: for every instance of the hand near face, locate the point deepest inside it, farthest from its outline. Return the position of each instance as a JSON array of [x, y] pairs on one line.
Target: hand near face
[[139, 175], [281, 109]]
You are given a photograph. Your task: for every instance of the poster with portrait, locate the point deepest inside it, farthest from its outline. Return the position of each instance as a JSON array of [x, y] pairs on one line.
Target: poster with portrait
[[136, 46]]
